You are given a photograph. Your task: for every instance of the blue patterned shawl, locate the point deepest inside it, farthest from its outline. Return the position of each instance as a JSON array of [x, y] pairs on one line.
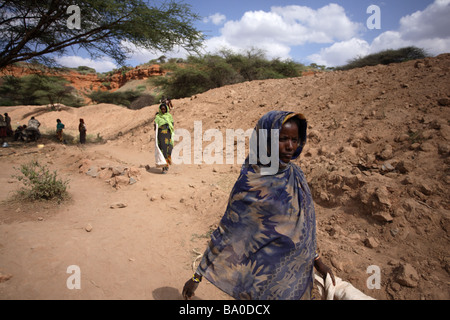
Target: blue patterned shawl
[[265, 244]]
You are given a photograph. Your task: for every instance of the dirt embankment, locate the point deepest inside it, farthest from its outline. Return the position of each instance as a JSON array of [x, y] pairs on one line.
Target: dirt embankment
[[87, 82]]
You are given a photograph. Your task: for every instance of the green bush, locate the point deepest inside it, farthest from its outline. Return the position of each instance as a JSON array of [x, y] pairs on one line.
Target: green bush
[[37, 89], [198, 74], [386, 57], [143, 101], [120, 98], [85, 70], [40, 183]]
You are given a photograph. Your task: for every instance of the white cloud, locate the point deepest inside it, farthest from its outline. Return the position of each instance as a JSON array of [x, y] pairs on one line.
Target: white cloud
[[283, 27], [428, 29], [340, 52], [216, 19], [323, 25], [142, 55], [433, 22], [101, 65]]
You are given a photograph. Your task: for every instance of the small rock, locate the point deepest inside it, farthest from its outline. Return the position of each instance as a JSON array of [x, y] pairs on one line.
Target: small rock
[[395, 286], [383, 197], [354, 236], [105, 174], [88, 228], [426, 147], [407, 276], [387, 167], [394, 231], [443, 149], [5, 277], [414, 146], [117, 205], [119, 181], [383, 216], [426, 188], [387, 152], [404, 166], [118, 171], [92, 172], [402, 137], [444, 102], [371, 242]]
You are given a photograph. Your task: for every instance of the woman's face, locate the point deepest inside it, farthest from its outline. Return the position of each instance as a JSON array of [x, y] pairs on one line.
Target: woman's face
[[289, 141], [163, 109]]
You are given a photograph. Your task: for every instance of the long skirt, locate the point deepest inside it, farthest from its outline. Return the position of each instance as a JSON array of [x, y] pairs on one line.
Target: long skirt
[[165, 143], [59, 135], [82, 137]]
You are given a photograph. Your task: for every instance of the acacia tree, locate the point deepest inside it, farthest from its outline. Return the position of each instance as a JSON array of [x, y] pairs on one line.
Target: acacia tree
[[35, 29], [47, 89]]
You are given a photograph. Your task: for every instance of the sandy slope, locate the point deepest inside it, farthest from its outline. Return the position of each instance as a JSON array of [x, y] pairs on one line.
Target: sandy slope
[[377, 161]]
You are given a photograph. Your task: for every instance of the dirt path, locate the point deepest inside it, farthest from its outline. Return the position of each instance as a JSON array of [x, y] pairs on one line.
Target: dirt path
[[141, 251]]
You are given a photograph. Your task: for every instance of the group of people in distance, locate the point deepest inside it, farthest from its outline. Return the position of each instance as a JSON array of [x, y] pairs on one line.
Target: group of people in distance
[[81, 129], [31, 131]]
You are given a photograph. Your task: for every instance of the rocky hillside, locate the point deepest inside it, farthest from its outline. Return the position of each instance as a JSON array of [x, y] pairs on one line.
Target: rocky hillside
[[86, 82], [377, 161]]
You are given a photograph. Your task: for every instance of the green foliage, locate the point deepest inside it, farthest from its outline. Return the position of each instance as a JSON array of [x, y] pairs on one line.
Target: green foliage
[[143, 101], [39, 29], [120, 98], [201, 73], [9, 87], [37, 89], [40, 183], [85, 70], [386, 57]]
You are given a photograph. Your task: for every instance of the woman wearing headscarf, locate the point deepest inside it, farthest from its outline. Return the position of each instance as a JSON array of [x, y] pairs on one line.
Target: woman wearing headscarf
[[82, 129], [265, 245], [164, 131]]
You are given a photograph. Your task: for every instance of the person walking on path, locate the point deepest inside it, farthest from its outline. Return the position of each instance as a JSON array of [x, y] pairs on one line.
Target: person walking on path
[[164, 134]]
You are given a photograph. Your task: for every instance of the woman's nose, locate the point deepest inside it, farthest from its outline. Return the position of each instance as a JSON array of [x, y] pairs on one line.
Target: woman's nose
[[290, 145]]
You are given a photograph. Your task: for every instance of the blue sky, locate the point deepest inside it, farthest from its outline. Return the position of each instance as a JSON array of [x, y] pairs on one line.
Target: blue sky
[[324, 32]]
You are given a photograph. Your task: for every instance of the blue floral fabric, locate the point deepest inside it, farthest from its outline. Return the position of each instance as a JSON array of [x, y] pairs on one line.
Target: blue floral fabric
[[265, 244]]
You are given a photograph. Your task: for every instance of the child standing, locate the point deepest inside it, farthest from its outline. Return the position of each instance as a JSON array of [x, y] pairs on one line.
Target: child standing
[[59, 130]]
